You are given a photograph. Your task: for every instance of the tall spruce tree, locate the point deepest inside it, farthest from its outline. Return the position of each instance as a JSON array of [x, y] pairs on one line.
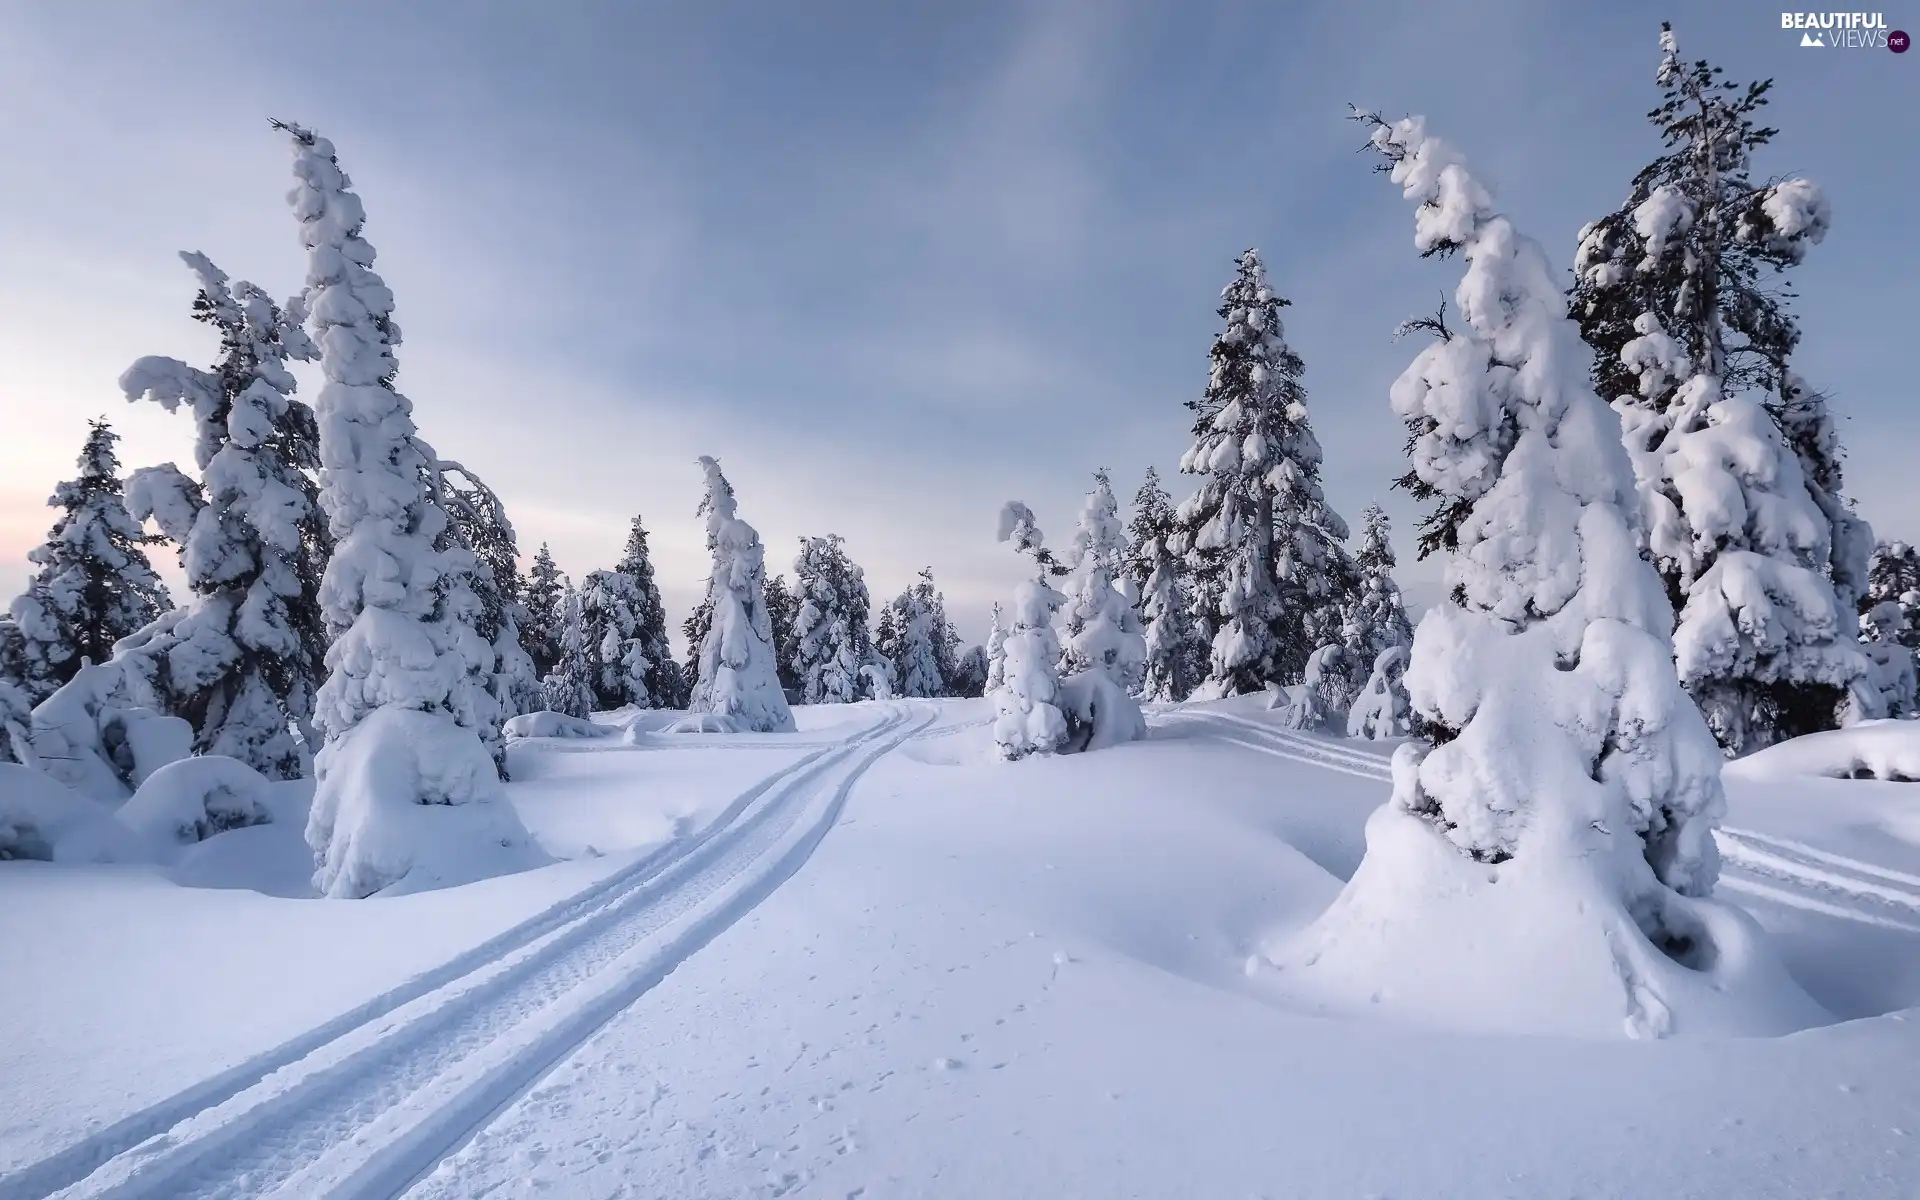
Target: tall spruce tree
[[666, 683], [243, 663], [781, 608], [569, 688], [477, 523], [831, 642], [616, 655], [408, 671], [94, 585], [1257, 531], [738, 677], [912, 637], [1678, 292], [545, 590]]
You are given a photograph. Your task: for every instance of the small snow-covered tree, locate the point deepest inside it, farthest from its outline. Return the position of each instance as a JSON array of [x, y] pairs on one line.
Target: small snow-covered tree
[[1382, 710], [781, 607], [16, 707], [94, 585], [1557, 834], [545, 590], [477, 523], [1176, 654], [1377, 617], [1029, 701], [996, 652], [616, 655], [1891, 669], [400, 707], [666, 683], [910, 637], [569, 688], [1893, 577], [970, 673], [737, 674], [946, 641], [1102, 627], [1736, 456], [243, 665], [1258, 530], [830, 639]]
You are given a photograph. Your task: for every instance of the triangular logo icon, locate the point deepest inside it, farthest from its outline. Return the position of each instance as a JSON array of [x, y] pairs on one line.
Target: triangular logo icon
[[1813, 39]]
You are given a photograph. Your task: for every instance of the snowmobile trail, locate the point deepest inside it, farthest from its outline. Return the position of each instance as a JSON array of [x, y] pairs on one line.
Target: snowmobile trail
[[366, 1105], [1252, 735]]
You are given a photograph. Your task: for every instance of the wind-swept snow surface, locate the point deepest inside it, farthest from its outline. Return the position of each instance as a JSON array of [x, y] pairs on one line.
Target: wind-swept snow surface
[[899, 968]]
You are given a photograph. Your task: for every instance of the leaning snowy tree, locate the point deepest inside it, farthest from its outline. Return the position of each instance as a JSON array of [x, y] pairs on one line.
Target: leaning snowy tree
[[666, 684], [399, 708], [1737, 458], [243, 662], [94, 585], [738, 678], [1102, 627], [830, 639], [1544, 864], [1258, 531]]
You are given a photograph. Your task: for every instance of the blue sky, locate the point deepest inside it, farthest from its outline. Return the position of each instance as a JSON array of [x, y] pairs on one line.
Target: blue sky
[[891, 263]]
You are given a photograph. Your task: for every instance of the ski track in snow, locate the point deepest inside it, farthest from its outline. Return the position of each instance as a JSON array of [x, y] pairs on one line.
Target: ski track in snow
[[1769, 868], [366, 1105]]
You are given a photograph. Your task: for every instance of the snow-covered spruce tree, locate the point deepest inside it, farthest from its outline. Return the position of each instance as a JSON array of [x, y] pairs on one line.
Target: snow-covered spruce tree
[[666, 684], [1891, 675], [545, 590], [1544, 865], [830, 638], [737, 674], [1103, 628], [1377, 617], [996, 652], [1028, 701], [243, 663], [1893, 577], [1677, 293], [914, 640], [1258, 529], [488, 601], [617, 662], [94, 584], [946, 640], [970, 671], [407, 794], [16, 707], [1176, 657], [781, 608], [694, 630], [569, 688], [1383, 710]]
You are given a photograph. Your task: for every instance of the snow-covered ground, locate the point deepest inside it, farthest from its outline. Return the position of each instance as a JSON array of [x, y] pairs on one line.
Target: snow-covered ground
[[867, 960]]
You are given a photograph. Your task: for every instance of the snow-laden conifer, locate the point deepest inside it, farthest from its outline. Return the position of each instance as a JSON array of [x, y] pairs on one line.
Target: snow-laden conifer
[[1176, 655], [545, 591], [666, 684], [242, 665], [1677, 292], [831, 642], [996, 652], [781, 608], [911, 636], [1557, 836], [1257, 530], [400, 708], [93, 584], [616, 654], [1377, 617], [737, 674], [569, 688], [1102, 626], [1028, 701]]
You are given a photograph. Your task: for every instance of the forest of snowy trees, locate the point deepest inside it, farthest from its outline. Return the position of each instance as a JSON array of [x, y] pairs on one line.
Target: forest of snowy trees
[[1627, 467]]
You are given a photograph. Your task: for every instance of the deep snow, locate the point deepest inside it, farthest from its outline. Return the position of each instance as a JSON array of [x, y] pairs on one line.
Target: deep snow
[[987, 979]]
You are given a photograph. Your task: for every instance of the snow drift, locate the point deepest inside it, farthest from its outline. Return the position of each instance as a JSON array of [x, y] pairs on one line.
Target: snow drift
[[1887, 749]]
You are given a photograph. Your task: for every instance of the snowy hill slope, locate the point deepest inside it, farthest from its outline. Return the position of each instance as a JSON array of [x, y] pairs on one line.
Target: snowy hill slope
[[986, 979]]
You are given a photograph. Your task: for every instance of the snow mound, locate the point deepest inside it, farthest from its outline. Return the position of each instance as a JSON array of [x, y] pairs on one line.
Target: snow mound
[[1886, 749], [1099, 712], [1383, 710], [371, 831], [89, 737], [42, 819], [547, 724], [1427, 936], [707, 722], [191, 800]]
